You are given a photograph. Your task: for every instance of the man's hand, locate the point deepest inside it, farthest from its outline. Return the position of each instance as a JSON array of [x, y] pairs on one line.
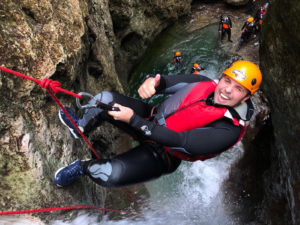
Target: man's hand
[[147, 89], [124, 114]]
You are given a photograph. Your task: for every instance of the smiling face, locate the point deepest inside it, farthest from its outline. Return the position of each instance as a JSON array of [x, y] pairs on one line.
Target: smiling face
[[229, 92]]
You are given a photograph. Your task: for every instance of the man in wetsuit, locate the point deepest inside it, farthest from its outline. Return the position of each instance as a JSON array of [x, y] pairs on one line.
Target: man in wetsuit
[[225, 26], [201, 119], [248, 30], [259, 17], [196, 68], [177, 58]]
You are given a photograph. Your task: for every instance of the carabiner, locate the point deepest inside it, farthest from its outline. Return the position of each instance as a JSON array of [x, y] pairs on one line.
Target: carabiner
[[85, 94]]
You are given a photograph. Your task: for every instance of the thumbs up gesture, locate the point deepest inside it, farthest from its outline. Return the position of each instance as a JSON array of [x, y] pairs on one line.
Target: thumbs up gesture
[[147, 89]]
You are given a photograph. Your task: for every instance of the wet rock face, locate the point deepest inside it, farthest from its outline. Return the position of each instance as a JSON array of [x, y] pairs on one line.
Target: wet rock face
[[279, 61], [41, 39], [75, 42], [34, 36], [267, 179]]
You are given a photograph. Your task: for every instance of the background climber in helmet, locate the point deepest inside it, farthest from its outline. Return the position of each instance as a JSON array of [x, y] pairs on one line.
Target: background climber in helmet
[[177, 59], [225, 26], [196, 68], [258, 19], [248, 31], [200, 119]]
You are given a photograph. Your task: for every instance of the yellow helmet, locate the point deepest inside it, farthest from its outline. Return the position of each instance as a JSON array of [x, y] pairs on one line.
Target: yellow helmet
[[250, 19], [195, 65], [245, 73], [177, 53]]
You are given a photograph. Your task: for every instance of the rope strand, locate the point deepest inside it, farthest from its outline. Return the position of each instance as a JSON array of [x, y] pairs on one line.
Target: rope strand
[[45, 83], [73, 122]]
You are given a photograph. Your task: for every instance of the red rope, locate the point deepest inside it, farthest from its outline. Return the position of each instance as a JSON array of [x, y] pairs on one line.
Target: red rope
[[130, 195], [45, 83], [73, 122], [54, 87], [133, 198], [62, 208]]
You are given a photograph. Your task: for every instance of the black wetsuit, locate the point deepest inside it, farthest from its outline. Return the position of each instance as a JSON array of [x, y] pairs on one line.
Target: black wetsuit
[[196, 70], [248, 30], [177, 59], [149, 160], [225, 26]]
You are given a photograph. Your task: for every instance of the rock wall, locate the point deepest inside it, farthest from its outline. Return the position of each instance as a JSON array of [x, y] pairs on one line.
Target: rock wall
[[76, 42], [279, 53], [43, 39], [266, 182]]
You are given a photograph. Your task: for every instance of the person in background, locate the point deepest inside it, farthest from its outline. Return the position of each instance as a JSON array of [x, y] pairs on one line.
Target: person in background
[[225, 26], [259, 17], [196, 68], [261, 11], [200, 119], [248, 31], [177, 59]]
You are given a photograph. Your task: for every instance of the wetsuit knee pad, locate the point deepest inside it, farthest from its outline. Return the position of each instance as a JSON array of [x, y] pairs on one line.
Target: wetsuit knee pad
[[100, 171], [106, 97], [93, 116], [118, 173]]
